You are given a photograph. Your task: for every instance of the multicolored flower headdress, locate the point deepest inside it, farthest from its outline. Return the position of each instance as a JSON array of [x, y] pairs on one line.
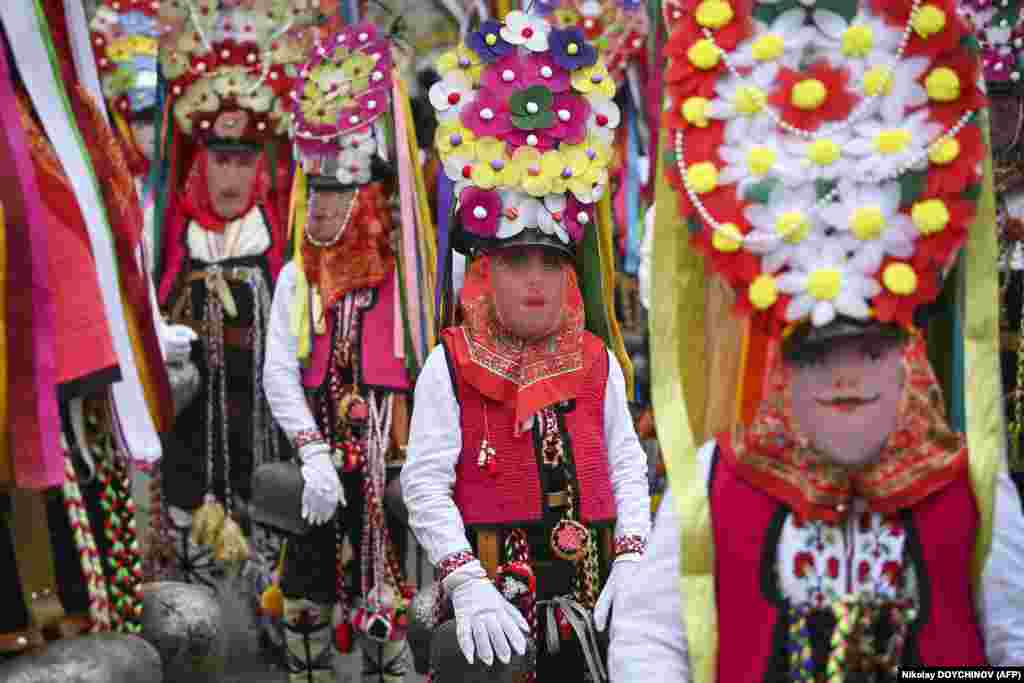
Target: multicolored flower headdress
[[125, 40], [230, 64], [999, 27], [617, 28], [341, 92], [828, 156], [526, 121]]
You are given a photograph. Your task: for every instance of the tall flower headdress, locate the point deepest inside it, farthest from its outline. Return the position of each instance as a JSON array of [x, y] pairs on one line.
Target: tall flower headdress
[[1000, 30], [526, 121], [125, 40], [230, 64], [827, 156], [617, 28], [341, 92]]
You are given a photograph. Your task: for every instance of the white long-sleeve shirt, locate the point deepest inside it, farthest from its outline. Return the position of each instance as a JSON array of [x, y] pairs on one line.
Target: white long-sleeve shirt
[[282, 377], [649, 635], [435, 444]]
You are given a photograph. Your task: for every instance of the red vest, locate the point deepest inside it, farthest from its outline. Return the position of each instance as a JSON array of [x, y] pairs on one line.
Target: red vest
[[940, 540], [512, 494]]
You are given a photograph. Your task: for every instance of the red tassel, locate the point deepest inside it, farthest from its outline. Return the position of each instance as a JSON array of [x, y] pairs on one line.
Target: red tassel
[[343, 637]]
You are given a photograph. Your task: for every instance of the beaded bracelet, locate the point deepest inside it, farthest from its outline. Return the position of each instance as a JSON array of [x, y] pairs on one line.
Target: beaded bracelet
[[305, 437], [454, 561], [624, 545]]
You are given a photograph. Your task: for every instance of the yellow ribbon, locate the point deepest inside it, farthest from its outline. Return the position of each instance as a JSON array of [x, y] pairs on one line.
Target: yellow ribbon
[[300, 313], [979, 303], [606, 250]]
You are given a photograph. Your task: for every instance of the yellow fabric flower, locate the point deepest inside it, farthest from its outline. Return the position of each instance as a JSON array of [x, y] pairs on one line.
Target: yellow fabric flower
[[594, 79], [461, 59], [452, 138], [492, 153], [583, 169], [540, 172], [357, 69], [763, 292]]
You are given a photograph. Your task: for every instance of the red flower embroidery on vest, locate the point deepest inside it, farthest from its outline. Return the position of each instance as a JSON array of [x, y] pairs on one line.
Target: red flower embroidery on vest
[[833, 567], [801, 563]]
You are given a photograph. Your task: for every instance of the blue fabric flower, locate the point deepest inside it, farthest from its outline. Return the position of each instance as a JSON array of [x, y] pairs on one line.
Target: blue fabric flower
[[139, 23], [570, 50], [630, 5], [488, 43], [546, 7]]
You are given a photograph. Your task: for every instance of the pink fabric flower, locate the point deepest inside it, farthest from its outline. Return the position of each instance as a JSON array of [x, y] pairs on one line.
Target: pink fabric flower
[[488, 115], [571, 114], [542, 69], [505, 76], [577, 218], [541, 139], [480, 211]]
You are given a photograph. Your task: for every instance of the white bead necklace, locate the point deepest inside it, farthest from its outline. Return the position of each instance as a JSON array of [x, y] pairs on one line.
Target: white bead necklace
[[859, 112], [828, 198]]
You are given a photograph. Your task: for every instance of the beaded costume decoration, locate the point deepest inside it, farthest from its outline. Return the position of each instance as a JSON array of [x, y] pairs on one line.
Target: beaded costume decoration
[[827, 154]]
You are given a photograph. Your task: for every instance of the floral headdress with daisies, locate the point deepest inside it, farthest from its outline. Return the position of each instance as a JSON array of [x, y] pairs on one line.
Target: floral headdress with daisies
[[230, 65], [827, 155], [526, 121], [617, 28], [341, 92], [999, 27], [125, 39]]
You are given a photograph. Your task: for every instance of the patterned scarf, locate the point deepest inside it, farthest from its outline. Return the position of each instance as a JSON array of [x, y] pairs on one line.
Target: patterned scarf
[[921, 456], [362, 258], [506, 369]]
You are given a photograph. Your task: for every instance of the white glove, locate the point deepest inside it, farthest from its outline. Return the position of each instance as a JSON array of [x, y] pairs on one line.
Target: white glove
[[485, 622], [322, 492], [177, 342], [622, 570]]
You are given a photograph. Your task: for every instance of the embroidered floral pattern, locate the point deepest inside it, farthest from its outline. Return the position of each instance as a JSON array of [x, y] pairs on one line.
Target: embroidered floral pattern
[[821, 562], [630, 544], [452, 562]]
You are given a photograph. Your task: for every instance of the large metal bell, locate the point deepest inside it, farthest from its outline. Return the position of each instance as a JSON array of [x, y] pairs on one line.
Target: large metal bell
[[422, 622], [98, 658], [450, 665], [186, 624]]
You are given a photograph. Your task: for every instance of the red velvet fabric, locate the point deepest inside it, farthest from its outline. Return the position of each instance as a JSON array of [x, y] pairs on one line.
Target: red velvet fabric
[[512, 494]]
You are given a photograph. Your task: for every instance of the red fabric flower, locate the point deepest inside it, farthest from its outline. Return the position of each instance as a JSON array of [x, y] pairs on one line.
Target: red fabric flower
[[683, 78], [966, 68], [893, 571], [728, 36], [833, 567], [863, 571], [953, 178], [892, 307], [897, 14], [801, 563], [738, 267], [838, 103]]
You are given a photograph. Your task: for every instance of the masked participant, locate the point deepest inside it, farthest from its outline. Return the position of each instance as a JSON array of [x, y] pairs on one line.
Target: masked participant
[[229, 68], [334, 377], [522, 451], [847, 529]]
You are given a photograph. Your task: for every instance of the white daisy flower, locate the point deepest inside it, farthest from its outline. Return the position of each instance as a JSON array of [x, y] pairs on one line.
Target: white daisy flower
[[854, 45], [742, 101], [460, 171], [894, 84], [870, 224], [749, 159], [450, 94], [789, 219], [549, 217], [884, 148], [353, 167], [782, 43], [824, 283], [605, 117], [811, 160], [362, 142], [518, 212], [530, 32]]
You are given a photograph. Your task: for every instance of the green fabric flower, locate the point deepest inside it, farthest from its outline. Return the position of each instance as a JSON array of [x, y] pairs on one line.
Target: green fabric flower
[[531, 108]]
